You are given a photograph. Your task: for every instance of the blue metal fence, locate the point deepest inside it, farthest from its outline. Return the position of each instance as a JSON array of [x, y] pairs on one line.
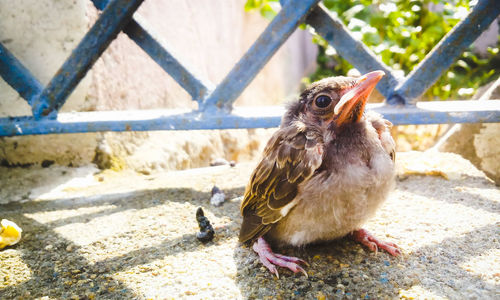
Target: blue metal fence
[[216, 109]]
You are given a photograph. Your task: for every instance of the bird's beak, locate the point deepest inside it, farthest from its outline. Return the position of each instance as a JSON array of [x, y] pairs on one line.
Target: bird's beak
[[356, 97]]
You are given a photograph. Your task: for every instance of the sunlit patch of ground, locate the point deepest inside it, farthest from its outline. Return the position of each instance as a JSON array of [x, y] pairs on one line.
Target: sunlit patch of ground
[[122, 235]]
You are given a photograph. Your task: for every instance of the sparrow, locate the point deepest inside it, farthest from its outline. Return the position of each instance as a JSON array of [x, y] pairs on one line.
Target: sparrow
[[323, 174]]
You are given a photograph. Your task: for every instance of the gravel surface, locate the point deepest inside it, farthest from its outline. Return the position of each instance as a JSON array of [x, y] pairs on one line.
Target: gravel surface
[[108, 235]]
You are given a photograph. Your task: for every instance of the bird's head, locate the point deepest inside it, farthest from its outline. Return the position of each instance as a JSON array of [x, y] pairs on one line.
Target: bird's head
[[338, 100]]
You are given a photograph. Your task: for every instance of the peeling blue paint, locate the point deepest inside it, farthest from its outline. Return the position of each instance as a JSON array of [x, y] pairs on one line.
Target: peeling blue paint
[[216, 104], [282, 26], [112, 20], [338, 36], [446, 51], [18, 76], [266, 117]]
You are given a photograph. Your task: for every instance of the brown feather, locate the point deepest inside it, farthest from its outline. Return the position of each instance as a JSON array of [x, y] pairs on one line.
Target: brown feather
[[274, 183], [252, 227]]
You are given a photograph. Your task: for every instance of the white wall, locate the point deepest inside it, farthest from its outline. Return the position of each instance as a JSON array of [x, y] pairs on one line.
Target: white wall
[[209, 35]]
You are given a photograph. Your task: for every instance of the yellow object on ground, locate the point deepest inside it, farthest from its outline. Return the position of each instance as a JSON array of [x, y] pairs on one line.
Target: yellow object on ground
[[10, 233]]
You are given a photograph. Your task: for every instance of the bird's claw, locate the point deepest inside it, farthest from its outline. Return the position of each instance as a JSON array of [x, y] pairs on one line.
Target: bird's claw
[[291, 259], [364, 237], [270, 260]]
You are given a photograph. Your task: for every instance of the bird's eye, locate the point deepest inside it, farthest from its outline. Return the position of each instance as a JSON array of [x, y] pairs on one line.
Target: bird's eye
[[323, 101]]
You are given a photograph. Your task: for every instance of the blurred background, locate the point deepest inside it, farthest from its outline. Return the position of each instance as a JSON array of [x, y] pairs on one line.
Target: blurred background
[[211, 36]]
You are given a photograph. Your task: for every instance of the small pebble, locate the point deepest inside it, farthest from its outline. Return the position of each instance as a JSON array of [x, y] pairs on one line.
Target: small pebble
[[206, 233], [218, 197], [219, 162], [320, 296]]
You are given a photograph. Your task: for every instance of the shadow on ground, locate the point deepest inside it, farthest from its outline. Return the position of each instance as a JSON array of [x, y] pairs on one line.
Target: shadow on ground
[[443, 227], [58, 271], [343, 269], [436, 268]]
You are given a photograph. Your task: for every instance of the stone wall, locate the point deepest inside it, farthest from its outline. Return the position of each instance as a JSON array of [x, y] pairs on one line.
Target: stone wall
[[479, 142]]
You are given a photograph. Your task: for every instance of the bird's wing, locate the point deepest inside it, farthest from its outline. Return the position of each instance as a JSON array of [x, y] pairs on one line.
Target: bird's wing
[[383, 128], [290, 157]]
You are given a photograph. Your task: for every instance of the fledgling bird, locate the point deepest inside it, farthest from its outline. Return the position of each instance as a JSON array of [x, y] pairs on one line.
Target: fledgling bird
[[323, 173]]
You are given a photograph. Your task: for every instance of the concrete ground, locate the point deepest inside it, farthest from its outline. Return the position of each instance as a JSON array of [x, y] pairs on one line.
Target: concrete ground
[[122, 235]]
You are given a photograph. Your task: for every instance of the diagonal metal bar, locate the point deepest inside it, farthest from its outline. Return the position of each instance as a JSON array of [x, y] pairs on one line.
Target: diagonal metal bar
[[196, 86], [338, 36], [112, 20], [259, 54], [100, 4], [18, 76], [433, 112], [447, 51]]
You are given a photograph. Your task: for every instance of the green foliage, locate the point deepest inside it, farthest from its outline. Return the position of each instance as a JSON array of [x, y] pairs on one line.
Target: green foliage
[[401, 33], [267, 8]]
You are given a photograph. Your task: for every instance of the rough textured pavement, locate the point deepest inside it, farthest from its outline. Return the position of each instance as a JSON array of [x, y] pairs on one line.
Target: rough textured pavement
[[90, 235]]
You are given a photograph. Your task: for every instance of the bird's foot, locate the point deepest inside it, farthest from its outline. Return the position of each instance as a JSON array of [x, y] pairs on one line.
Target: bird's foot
[[365, 238], [270, 260]]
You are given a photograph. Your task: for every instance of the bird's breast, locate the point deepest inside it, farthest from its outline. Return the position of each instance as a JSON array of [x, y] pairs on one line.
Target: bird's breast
[[332, 204]]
